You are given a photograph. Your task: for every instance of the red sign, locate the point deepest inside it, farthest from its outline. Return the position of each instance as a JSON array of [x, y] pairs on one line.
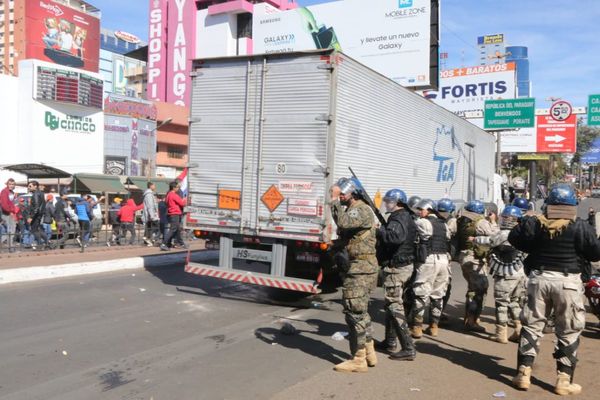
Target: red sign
[[128, 37], [556, 136], [62, 35], [114, 105]]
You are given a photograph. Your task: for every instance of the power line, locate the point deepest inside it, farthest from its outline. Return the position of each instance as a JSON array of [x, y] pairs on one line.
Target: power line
[[460, 38]]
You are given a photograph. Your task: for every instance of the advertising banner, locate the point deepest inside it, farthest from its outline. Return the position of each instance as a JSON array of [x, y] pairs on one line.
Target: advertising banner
[[466, 89], [592, 156], [393, 37], [180, 50], [157, 51], [62, 35], [115, 166]]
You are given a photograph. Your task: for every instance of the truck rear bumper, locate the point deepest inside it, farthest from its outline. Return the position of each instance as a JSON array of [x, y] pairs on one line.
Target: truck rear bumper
[[299, 285]]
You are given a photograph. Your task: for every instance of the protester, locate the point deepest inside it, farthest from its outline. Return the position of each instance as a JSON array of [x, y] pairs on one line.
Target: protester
[[9, 212], [175, 205], [37, 209], [162, 214], [127, 217], [151, 217], [113, 220]]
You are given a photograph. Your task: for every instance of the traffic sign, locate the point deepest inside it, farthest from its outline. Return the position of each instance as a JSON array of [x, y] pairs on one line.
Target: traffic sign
[[533, 157], [594, 110], [272, 198], [561, 110], [509, 114], [556, 136]]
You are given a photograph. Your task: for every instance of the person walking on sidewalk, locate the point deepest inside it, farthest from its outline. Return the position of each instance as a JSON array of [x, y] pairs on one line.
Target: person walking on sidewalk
[[48, 215], [127, 218], [115, 223], [9, 212], [61, 216], [175, 205], [37, 209], [84, 215], [151, 217]]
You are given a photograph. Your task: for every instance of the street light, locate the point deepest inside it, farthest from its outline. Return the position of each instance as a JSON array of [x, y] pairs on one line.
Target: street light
[[155, 130]]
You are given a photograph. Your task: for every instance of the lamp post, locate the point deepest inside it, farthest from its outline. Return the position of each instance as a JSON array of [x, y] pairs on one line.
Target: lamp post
[[155, 131]]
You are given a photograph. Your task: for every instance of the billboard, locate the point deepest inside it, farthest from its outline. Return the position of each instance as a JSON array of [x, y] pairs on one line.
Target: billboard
[[393, 37], [61, 35], [157, 51], [491, 49], [465, 90]]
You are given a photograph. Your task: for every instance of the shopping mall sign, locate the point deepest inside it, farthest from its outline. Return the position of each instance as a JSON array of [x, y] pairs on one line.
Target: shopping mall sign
[[509, 114], [594, 110], [69, 123]]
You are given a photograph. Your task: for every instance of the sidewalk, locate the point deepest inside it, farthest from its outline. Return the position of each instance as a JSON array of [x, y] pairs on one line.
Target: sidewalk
[[27, 267]]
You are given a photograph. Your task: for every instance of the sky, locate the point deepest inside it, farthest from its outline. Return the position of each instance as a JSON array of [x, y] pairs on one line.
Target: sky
[[562, 37]]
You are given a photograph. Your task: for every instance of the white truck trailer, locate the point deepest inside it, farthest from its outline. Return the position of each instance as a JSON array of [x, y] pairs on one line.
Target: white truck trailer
[[269, 135]]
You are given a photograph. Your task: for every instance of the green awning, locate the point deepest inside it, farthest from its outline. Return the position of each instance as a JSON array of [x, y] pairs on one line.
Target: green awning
[[162, 184], [97, 183]]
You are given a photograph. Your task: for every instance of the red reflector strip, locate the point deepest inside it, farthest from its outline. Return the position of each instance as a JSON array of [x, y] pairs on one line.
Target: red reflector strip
[[279, 228], [314, 230], [247, 277]]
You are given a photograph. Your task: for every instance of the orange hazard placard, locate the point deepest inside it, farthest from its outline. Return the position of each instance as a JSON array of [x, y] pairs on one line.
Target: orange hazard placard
[[272, 198], [229, 199]]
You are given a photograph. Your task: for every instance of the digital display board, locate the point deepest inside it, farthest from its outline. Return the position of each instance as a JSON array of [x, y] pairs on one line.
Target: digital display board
[[69, 87]]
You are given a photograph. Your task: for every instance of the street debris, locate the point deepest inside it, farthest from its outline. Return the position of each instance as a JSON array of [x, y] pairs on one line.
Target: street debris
[[339, 336], [499, 395], [64, 352], [415, 389], [142, 289], [288, 329]]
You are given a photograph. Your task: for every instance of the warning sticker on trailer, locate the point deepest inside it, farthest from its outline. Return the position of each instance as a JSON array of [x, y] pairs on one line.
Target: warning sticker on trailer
[[302, 207], [272, 198], [296, 186]]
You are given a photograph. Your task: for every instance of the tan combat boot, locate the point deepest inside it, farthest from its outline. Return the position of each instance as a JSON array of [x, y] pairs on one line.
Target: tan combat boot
[[523, 379], [357, 364], [371, 354], [516, 335], [564, 387], [501, 334], [416, 332], [432, 330]]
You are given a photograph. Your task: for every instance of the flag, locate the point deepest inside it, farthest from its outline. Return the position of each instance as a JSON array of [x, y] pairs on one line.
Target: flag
[[183, 182]]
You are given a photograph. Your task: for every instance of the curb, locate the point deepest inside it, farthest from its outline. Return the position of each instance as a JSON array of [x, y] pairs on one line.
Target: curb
[[29, 274]]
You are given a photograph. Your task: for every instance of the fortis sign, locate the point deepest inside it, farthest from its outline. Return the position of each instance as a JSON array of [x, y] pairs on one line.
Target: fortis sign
[[171, 51]]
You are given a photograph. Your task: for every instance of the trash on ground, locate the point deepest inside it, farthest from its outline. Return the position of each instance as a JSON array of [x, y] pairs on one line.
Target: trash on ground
[[339, 336], [132, 274], [64, 352], [274, 344], [499, 395], [288, 329], [415, 389], [319, 305], [142, 289]]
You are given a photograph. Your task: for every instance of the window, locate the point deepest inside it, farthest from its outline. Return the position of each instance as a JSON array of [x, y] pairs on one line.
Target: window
[[244, 25], [176, 152]]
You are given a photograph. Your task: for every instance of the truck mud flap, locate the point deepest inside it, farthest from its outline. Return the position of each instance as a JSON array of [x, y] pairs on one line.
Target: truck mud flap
[[298, 285]]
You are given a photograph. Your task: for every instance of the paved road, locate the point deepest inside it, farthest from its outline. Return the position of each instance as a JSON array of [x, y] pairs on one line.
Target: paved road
[[166, 335]]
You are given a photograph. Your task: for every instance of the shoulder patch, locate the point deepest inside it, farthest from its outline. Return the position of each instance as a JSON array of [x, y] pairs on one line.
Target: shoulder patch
[[354, 213]]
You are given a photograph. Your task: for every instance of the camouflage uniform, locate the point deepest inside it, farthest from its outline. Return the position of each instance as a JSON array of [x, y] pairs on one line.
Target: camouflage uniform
[[357, 231], [474, 266]]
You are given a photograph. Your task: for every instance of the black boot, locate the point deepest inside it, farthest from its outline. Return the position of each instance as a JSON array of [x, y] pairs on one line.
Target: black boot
[[389, 344], [408, 352]]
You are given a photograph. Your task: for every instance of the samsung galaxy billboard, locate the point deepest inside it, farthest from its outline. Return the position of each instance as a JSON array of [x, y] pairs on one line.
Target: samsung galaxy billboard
[[397, 38], [465, 90]]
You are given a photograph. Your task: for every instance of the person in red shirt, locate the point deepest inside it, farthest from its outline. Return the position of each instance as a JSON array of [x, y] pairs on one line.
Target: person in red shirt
[[175, 205], [9, 211], [127, 217]]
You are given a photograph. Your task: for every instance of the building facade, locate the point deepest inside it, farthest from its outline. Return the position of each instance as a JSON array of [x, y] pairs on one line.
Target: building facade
[[519, 55]]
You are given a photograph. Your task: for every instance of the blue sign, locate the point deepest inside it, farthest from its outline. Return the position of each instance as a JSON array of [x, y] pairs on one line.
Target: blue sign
[[592, 156], [405, 3]]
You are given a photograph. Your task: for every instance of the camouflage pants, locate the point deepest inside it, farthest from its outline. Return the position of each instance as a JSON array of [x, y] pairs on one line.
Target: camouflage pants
[[509, 294], [394, 282], [475, 273], [430, 287], [356, 292], [563, 293]]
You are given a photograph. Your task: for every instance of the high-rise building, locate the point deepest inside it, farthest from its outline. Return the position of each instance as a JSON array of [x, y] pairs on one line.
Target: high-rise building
[[122, 75], [64, 32], [519, 55]]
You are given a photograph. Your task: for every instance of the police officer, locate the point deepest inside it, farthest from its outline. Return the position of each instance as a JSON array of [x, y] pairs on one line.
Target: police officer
[[357, 231], [553, 242], [446, 209], [412, 205], [521, 203], [506, 267], [431, 279], [471, 224], [396, 249]]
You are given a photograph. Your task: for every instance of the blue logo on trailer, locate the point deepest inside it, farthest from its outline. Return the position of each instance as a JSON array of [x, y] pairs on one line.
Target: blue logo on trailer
[[405, 3], [445, 153]]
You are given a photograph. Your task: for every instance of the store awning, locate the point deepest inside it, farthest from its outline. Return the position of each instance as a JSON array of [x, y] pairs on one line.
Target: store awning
[[97, 183], [141, 182], [37, 171]]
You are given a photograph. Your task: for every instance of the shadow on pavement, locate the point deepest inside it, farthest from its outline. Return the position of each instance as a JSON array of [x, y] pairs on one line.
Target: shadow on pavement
[[301, 341]]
